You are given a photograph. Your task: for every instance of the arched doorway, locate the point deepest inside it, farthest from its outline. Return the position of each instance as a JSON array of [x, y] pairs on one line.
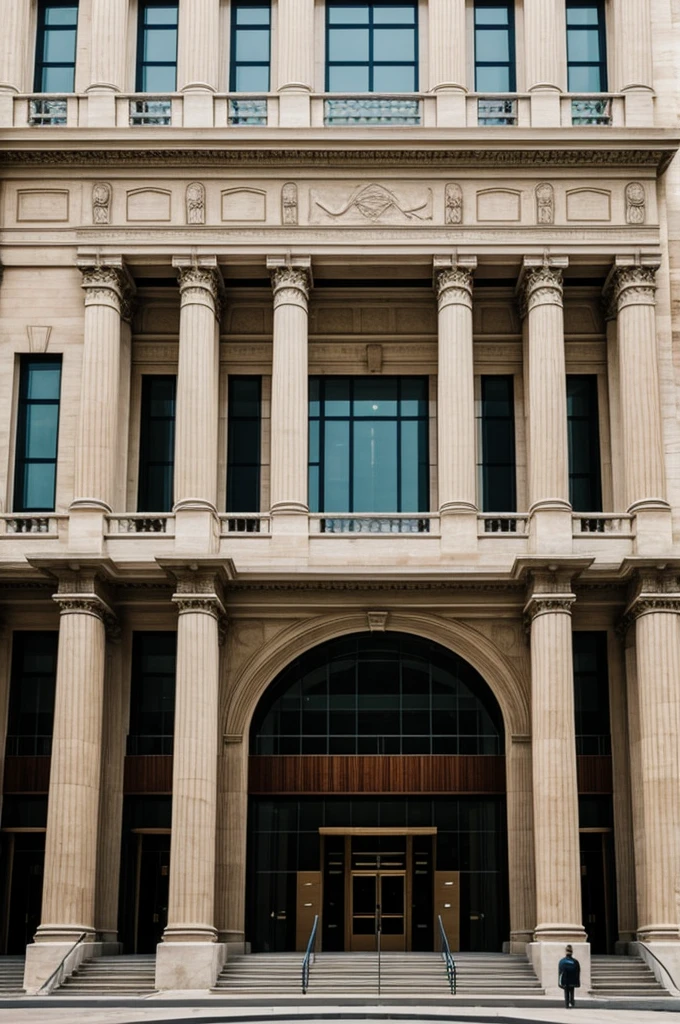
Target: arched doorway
[[377, 777]]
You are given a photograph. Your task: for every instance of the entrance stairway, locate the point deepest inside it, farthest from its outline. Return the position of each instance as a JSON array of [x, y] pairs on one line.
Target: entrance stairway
[[111, 976], [478, 974], [623, 976], [12, 975]]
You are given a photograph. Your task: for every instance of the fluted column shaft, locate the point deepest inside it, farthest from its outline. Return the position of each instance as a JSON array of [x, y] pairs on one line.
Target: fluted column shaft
[[198, 41], [289, 408], [555, 792], [108, 44], [68, 906], [447, 34], [522, 876], [544, 35], [455, 391], [547, 390], [197, 386], [14, 45], [107, 299], [191, 902], [657, 637], [633, 44], [296, 44]]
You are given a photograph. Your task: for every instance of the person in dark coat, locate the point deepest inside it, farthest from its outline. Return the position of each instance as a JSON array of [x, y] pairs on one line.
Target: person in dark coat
[[569, 976]]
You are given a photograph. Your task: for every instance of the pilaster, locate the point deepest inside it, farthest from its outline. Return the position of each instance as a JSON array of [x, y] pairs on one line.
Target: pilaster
[[109, 30], [448, 72], [296, 62], [545, 58], [633, 60], [232, 842], [521, 865], [198, 59], [14, 56]]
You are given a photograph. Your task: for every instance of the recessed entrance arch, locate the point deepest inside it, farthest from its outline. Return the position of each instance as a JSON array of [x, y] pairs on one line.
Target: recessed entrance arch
[[377, 775]]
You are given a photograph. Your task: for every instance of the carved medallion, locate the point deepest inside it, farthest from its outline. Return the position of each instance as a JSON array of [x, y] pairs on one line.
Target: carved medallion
[[289, 203], [454, 204], [101, 202], [635, 203], [545, 203], [195, 202]]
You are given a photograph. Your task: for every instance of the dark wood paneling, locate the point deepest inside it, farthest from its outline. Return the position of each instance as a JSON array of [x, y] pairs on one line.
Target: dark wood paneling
[[373, 774], [26, 774], [148, 773], [594, 772]]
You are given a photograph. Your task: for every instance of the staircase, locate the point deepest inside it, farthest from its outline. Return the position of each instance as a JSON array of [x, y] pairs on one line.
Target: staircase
[[623, 976], [12, 975], [478, 974], [111, 976]]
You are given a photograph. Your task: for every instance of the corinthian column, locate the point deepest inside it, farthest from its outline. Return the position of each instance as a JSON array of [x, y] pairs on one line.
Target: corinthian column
[[654, 611], [630, 293], [456, 404], [545, 59], [633, 60], [189, 956], [68, 905], [197, 60], [448, 72], [14, 59], [555, 791], [546, 384], [108, 60], [296, 62], [291, 282]]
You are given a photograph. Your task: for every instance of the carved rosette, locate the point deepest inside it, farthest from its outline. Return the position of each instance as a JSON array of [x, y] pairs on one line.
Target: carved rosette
[[652, 592], [201, 286], [542, 286], [454, 287], [629, 286], [291, 286], [109, 286]]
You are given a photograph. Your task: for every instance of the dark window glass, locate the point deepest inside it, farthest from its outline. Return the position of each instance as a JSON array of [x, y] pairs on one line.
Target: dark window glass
[[152, 693], [496, 445], [157, 46], [368, 449], [157, 444], [591, 693], [37, 434], [243, 444], [31, 699], [494, 46], [393, 695], [250, 46], [585, 488], [371, 47], [586, 47], [55, 49]]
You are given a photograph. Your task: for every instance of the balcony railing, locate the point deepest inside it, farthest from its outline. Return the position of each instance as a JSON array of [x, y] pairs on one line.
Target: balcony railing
[[247, 111], [157, 111], [375, 110], [244, 523], [591, 110], [620, 525], [375, 524], [497, 111], [503, 523], [141, 522], [47, 111], [41, 523]]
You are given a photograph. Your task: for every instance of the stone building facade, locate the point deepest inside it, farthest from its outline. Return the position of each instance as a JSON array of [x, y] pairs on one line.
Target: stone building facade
[[329, 391]]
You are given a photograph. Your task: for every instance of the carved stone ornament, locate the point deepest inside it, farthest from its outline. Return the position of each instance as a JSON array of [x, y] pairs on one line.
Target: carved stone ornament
[[109, 286], [377, 203], [453, 287], [101, 203], [195, 203], [195, 282], [636, 211], [652, 591], [90, 604], [629, 286], [289, 203], [291, 285], [377, 621], [453, 203], [541, 286], [38, 339], [545, 203]]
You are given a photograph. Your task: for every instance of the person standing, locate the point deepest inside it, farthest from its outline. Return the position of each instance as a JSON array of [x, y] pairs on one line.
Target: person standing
[[569, 976]]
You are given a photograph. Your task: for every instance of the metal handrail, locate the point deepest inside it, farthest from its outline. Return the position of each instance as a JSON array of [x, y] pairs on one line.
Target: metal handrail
[[659, 962], [61, 962], [448, 958], [307, 962]]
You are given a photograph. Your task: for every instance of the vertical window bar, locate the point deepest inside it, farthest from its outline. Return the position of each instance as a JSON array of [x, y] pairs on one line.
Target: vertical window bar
[[496, 469], [55, 46], [35, 473], [157, 444], [585, 481], [244, 444]]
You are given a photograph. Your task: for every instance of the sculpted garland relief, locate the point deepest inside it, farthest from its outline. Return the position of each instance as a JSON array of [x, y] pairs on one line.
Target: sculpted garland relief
[[371, 204]]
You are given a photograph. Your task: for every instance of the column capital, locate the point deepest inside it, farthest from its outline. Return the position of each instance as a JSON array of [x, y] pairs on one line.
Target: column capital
[[452, 280], [200, 586], [292, 279], [652, 590], [630, 284], [108, 282], [200, 282], [549, 586], [540, 282], [82, 591]]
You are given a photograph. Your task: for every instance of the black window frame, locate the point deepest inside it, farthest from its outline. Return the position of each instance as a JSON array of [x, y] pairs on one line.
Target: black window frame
[[511, 63], [144, 6], [371, 64], [594, 445], [21, 742], [592, 687], [139, 742], [235, 424], [40, 64], [485, 465], [146, 448], [234, 62], [602, 42], [20, 460]]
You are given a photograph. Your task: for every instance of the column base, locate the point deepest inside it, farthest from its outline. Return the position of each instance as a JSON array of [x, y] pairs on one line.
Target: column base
[[545, 107], [44, 956], [458, 527], [197, 528], [546, 955], [550, 528], [451, 105], [187, 966], [653, 528], [198, 107], [87, 526], [101, 106], [295, 106], [663, 958]]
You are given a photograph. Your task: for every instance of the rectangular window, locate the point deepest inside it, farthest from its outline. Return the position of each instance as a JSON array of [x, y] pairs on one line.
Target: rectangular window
[[35, 472], [157, 46], [152, 693], [157, 444], [368, 444], [494, 46], [496, 473], [585, 482], [55, 48], [243, 444], [371, 47], [591, 693], [250, 46], [31, 698], [586, 46]]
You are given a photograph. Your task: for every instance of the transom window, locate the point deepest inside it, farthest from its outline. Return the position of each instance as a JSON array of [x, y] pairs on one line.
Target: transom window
[[250, 46], [157, 46], [371, 47], [586, 47], [368, 447], [55, 51], [494, 46]]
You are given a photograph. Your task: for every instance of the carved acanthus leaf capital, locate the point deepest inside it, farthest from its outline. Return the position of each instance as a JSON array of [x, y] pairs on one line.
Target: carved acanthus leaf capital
[[548, 592], [652, 590], [201, 284], [291, 285], [453, 286], [110, 286], [629, 286], [540, 286]]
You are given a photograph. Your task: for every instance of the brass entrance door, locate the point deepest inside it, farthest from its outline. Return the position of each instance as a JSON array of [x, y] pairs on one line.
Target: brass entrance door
[[378, 904]]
